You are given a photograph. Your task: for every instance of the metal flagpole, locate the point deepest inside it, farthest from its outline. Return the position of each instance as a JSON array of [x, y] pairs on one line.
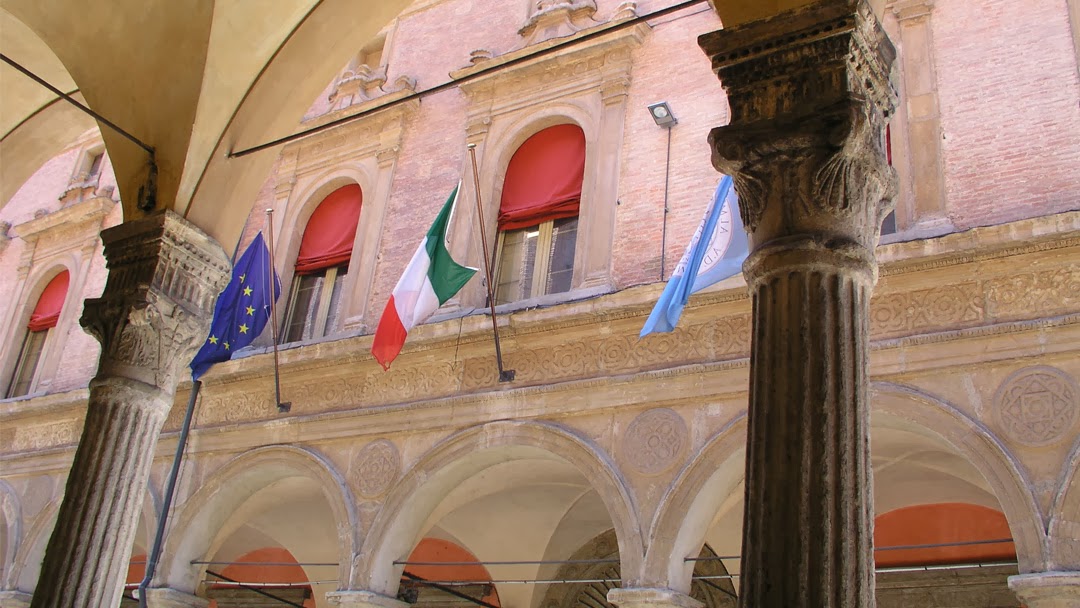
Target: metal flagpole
[[166, 503], [505, 375], [286, 406]]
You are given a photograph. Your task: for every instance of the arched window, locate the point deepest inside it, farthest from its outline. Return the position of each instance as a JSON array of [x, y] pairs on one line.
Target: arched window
[[43, 319], [538, 215], [321, 266]]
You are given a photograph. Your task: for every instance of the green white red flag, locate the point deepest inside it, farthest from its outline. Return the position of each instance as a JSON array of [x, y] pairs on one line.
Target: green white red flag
[[431, 278]]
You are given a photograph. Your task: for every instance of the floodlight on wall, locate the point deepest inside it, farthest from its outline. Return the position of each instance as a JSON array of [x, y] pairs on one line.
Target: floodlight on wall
[[661, 115]]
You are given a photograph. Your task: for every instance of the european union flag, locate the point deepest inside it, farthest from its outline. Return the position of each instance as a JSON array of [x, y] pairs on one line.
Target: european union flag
[[242, 310], [716, 252]]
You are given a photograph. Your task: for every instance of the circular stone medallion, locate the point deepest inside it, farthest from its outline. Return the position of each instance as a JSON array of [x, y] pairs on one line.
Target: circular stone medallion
[[1038, 405], [655, 441], [376, 467]]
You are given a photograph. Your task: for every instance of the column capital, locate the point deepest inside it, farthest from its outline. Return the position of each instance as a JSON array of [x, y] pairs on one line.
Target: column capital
[[910, 9], [810, 92], [164, 597], [1047, 589], [645, 597], [164, 274], [363, 599], [14, 599]]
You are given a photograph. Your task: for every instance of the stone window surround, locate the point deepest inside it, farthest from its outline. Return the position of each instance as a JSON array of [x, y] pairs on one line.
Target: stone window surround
[[588, 87], [363, 152], [921, 202], [81, 222]]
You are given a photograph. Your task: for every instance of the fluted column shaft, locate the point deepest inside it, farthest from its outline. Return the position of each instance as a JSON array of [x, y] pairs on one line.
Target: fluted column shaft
[[163, 276], [809, 92]]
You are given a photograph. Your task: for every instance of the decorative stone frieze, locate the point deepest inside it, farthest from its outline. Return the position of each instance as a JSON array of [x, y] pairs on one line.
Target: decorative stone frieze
[[1038, 406], [651, 598], [163, 277], [809, 91]]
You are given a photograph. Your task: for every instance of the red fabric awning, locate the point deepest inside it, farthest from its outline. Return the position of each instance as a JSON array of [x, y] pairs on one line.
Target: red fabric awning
[[49, 305], [328, 237], [543, 180]]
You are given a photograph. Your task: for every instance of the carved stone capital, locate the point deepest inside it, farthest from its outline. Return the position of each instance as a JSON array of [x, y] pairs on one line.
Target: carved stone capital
[[14, 599], [164, 274], [651, 598], [171, 598], [362, 599], [810, 92], [1047, 589]]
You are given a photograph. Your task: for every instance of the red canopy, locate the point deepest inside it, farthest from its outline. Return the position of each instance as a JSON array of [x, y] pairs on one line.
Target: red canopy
[[543, 181], [50, 303], [328, 237]]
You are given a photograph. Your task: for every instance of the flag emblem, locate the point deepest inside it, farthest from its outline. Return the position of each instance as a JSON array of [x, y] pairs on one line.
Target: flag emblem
[[242, 310]]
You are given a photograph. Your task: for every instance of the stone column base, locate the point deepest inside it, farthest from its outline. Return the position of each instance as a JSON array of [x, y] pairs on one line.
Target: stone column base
[[1047, 589], [651, 598], [14, 599], [363, 599], [164, 597]]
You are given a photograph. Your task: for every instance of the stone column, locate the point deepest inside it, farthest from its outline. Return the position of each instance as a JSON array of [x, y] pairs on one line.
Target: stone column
[[651, 598], [363, 599], [809, 91], [164, 275], [1047, 589]]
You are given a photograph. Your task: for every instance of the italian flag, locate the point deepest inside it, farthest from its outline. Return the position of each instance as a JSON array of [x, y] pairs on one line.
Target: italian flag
[[431, 278]]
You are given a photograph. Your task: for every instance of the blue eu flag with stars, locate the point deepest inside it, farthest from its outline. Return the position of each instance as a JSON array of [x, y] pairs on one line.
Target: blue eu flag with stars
[[242, 309]]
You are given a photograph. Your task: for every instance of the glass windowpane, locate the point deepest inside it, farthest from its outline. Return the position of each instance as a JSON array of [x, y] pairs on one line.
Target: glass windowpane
[[561, 256], [516, 262], [305, 307], [23, 377], [334, 312]]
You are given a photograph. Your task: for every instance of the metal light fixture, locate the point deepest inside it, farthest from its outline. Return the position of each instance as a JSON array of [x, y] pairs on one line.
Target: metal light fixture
[[661, 115]]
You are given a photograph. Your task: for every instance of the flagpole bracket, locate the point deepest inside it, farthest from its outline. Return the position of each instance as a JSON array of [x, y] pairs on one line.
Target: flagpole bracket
[[284, 407], [506, 375]]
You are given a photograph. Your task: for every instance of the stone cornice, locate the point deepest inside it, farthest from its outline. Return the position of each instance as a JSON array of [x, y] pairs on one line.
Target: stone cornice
[[89, 212]]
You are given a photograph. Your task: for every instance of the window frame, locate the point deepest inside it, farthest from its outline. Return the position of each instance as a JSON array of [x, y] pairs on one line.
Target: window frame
[[21, 361], [542, 264], [332, 276]]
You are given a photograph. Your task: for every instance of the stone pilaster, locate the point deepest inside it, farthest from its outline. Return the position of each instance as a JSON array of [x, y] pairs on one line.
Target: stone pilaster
[[163, 277], [171, 598], [651, 598], [363, 599], [1047, 589], [810, 91]]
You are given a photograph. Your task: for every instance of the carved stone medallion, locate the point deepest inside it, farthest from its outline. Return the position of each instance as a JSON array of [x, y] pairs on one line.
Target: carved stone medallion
[[1038, 405], [655, 441], [376, 467]]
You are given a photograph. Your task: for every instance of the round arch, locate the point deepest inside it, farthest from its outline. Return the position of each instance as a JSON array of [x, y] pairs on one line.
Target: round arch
[[1064, 536], [302, 205], [501, 147], [27, 565], [466, 453], [688, 507], [207, 511], [684, 513], [982, 449], [11, 509]]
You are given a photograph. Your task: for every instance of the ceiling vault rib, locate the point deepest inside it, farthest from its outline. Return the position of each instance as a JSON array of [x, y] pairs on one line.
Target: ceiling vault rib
[[68, 98], [31, 116]]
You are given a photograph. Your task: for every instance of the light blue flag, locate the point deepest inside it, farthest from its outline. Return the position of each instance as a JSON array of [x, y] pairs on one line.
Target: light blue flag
[[706, 261]]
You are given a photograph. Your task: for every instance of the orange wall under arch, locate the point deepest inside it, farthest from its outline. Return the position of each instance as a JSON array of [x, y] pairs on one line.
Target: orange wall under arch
[[937, 524], [439, 550]]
